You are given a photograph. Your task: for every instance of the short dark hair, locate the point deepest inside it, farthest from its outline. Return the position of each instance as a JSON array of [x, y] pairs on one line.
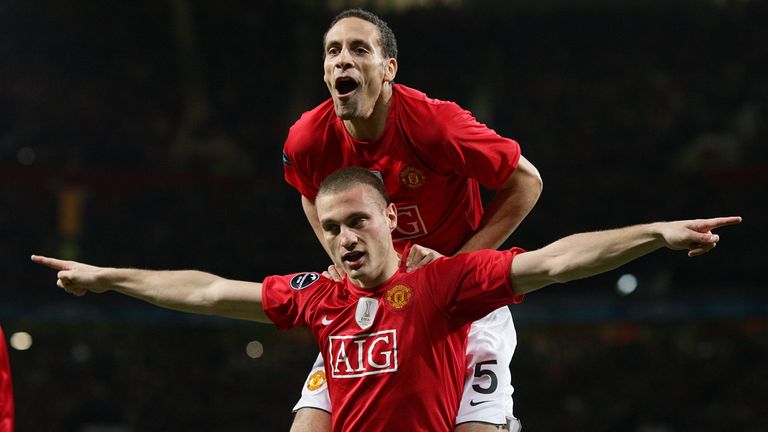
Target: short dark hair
[[386, 35], [348, 177]]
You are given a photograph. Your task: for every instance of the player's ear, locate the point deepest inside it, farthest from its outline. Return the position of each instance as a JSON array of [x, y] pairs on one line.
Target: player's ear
[[390, 69], [391, 213]]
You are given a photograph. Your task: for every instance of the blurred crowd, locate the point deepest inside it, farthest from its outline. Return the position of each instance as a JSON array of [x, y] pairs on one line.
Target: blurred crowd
[[149, 134]]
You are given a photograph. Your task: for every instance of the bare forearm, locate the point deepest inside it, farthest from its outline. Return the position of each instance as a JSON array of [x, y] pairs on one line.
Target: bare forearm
[[185, 290], [501, 218], [583, 255], [193, 291], [509, 206]]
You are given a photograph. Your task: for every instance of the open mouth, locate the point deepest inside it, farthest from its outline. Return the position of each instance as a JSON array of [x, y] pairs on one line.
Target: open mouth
[[353, 259], [345, 86]]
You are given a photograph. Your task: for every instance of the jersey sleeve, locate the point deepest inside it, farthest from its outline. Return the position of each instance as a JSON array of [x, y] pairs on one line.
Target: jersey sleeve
[[288, 300], [471, 285], [471, 148], [298, 160]]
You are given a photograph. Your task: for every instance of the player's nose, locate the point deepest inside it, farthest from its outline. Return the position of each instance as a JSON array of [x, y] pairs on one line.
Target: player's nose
[[348, 238], [344, 60]]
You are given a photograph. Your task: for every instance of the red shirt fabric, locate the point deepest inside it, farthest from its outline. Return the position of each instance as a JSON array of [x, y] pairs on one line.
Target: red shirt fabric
[[401, 367], [6, 388], [431, 156]]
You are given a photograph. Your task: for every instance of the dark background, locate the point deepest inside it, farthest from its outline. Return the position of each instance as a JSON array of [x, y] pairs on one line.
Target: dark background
[[149, 134]]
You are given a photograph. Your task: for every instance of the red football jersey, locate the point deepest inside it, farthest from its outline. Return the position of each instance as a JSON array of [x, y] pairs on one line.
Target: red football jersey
[[431, 157], [394, 354], [6, 389]]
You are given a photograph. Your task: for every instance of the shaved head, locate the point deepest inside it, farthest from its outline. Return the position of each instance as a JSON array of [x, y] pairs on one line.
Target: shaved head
[[346, 178]]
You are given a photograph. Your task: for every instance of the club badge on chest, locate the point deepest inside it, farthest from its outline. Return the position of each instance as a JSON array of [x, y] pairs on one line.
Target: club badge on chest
[[366, 312]]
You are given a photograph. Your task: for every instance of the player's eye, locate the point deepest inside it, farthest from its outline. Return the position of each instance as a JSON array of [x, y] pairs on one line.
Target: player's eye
[[361, 51], [358, 222], [331, 229], [332, 51]]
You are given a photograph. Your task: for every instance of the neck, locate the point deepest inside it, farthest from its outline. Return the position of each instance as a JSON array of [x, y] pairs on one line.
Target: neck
[[371, 127]]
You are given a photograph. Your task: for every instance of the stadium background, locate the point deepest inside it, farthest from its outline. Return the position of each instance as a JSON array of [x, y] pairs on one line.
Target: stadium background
[[148, 134]]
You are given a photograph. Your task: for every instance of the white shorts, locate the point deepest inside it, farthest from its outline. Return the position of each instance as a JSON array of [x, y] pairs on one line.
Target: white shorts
[[487, 396]]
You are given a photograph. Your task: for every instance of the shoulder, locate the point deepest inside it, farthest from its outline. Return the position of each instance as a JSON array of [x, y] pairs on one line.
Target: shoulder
[[290, 300], [427, 119], [302, 288], [475, 260], [296, 281], [310, 129], [424, 120], [412, 99]]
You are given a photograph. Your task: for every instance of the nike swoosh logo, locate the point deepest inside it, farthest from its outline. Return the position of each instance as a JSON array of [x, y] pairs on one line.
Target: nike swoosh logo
[[325, 320], [473, 403]]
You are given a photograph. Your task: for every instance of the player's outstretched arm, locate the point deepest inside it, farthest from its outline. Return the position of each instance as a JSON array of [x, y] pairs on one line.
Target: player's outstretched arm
[[587, 254], [185, 290], [509, 206]]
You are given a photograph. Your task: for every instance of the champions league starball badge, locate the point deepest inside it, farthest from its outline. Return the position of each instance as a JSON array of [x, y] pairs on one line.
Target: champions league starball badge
[[303, 280], [366, 312]]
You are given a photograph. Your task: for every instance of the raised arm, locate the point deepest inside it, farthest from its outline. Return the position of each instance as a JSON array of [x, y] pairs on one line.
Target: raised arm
[[503, 214], [509, 206], [582, 255], [185, 290]]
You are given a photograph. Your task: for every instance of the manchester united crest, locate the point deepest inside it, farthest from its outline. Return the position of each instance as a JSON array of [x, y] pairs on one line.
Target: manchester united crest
[[399, 295], [316, 381], [412, 177]]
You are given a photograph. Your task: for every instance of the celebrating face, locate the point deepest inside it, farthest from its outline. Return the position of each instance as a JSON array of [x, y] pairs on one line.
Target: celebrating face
[[355, 67], [357, 227]]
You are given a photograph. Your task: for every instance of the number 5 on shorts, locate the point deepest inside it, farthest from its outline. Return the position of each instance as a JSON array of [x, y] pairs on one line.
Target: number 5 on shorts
[[480, 372]]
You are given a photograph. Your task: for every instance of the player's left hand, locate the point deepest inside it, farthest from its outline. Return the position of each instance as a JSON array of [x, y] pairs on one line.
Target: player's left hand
[[419, 256], [695, 235], [334, 273]]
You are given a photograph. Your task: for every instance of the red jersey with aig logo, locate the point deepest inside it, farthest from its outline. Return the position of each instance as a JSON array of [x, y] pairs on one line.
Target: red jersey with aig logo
[[394, 354], [431, 156]]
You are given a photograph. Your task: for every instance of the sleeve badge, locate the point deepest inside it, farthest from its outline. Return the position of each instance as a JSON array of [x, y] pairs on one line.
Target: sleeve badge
[[303, 280]]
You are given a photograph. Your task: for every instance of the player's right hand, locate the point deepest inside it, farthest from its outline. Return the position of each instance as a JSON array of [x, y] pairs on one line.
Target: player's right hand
[[74, 277], [695, 235]]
